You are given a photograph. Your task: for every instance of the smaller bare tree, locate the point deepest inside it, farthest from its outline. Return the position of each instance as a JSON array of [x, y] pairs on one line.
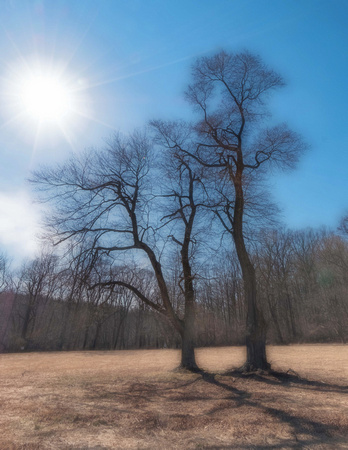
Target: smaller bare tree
[[102, 201]]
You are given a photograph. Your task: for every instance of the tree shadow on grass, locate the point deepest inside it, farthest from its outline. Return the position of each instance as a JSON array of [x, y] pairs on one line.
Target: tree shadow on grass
[[284, 444], [148, 392], [305, 430], [289, 378]]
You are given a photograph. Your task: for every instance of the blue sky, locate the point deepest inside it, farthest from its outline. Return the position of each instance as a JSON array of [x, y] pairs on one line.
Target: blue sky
[[131, 61]]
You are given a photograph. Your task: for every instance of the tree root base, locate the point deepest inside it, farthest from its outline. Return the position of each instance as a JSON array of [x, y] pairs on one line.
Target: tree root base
[[192, 369], [250, 368]]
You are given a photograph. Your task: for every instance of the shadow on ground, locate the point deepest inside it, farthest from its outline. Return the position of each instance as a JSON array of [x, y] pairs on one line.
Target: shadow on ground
[[306, 432], [268, 403]]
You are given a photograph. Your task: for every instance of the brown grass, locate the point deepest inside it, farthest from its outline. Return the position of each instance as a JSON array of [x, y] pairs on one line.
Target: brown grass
[[134, 399]]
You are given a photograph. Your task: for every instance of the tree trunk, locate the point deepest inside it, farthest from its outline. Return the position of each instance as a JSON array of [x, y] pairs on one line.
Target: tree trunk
[[188, 360], [291, 319], [26, 321], [255, 323], [96, 336], [65, 320], [275, 319], [255, 326], [85, 339]]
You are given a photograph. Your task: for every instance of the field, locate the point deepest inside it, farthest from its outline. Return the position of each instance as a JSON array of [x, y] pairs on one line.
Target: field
[[135, 399]]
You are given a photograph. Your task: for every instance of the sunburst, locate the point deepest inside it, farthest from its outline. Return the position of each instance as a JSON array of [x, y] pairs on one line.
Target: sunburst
[[46, 98]]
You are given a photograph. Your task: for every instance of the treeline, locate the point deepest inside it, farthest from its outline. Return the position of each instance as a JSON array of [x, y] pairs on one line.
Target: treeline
[[302, 279]]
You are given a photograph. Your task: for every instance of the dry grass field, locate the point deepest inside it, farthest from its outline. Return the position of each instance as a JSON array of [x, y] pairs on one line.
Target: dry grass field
[[135, 399]]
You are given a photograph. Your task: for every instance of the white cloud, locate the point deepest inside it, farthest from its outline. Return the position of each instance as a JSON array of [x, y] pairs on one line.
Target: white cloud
[[19, 224]]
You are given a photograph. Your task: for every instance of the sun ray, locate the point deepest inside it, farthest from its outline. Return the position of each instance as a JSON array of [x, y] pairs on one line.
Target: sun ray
[[35, 146], [73, 53], [12, 119], [140, 72], [94, 119], [67, 138], [16, 49]]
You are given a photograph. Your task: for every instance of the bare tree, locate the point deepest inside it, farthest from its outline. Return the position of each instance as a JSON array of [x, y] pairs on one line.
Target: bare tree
[[37, 283], [103, 202], [5, 273], [333, 283], [229, 93], [184, 188], [343, 227], [6, 298], [275, 266]]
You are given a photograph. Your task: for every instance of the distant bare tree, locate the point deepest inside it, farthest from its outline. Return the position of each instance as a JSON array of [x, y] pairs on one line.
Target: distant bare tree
[[37, 283], [333, 284], [229, 93], [344, 225], [5, 273], [275, 266], [6, 298]]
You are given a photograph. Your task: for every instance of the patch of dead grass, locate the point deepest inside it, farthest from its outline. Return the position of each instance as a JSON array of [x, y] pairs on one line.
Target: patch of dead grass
[[134, 399]]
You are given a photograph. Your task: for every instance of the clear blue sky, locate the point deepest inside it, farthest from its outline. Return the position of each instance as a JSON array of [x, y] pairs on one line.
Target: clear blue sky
[[132, 60]]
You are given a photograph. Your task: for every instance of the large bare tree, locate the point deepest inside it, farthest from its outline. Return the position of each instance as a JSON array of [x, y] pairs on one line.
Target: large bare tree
[[231, 138], [103, 201]]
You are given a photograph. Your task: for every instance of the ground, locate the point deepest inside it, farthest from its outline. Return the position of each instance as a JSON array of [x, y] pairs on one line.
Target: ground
[[136, 400]]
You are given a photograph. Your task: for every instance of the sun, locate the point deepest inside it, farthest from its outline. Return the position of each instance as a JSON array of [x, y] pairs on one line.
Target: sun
[[45, 98], [48, 100], [40, 93]]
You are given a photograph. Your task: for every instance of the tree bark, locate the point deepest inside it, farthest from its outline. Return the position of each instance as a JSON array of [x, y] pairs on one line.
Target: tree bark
[[96, 336], [27, 318], [255, 323], [188, 360]]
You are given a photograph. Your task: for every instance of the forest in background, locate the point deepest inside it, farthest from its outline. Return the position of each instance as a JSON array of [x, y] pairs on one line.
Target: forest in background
[[302, 278]]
